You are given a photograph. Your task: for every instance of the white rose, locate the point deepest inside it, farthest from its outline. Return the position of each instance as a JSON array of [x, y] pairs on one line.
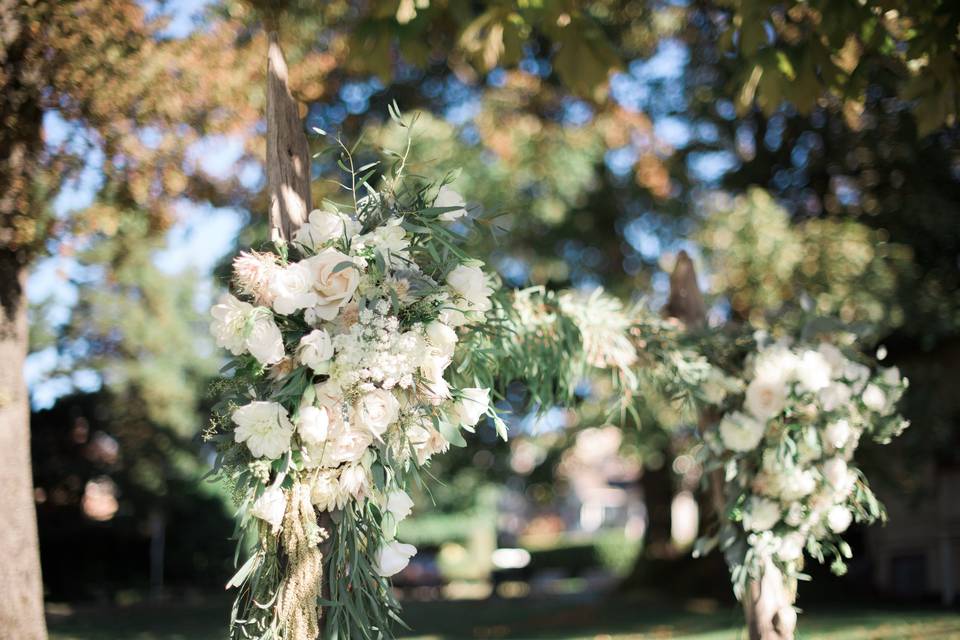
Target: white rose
[[355, 480], [856, 374], [334, 288], [469, 281], [313, 424], [447, 197], [265, 427], [791, 547], [270, 507], [776, 362], [813, 371], [393, 557], [399, 504], [797, 484], [874, 398], [442, 338], [839, 518], [834, 396], [323, 226], [761, 514], [837, 434], [292, 288], [391, 241], [376, 410], [472, 406], [325, 493], [794, 516], [265, 342], [834, 358], [766, 397], [229, 324], [316, 350], [740, 432], [891, 375], [835, 473]]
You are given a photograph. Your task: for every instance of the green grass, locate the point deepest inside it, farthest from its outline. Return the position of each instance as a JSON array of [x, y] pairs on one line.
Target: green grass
[[568, 618]]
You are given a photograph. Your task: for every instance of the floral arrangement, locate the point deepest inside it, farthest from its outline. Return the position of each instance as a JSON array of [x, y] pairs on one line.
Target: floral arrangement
[[339, 392], [786, 445]]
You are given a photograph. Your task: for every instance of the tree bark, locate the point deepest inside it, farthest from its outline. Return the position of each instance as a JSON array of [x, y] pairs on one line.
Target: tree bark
[[288, 156], [21, 589], [767, 605], [288, 182], [21, 82]]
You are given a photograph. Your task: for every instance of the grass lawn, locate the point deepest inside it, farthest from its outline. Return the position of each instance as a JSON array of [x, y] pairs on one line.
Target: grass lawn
[[524, 618]]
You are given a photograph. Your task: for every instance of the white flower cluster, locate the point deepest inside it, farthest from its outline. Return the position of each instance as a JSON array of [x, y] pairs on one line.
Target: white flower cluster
[[789, 450], [355, 341]]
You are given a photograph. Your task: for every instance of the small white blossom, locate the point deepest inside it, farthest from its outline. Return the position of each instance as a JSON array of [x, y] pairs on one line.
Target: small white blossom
[[761, 514], [874, 398], [740, 432], [393, 557], [447, 197], [839, 518], [270, 507], [316, 350]]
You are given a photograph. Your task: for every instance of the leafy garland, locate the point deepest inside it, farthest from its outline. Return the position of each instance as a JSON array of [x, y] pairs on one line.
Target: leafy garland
[[370, 342]]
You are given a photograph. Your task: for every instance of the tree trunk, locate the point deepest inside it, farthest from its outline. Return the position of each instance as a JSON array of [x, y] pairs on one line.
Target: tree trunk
[[288, 182], [21, 590], [21, 80], [288, 156], [767, 605]]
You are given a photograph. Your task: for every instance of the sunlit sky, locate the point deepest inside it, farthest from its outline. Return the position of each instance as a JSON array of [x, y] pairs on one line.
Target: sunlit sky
[[204, 234]]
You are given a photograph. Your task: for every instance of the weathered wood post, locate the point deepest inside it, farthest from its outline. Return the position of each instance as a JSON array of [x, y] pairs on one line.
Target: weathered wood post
[[288, 184], [766, 602]]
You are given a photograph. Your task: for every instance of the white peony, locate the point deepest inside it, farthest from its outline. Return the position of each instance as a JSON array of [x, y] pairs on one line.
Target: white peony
[[229, 324], [812, 371], [399, 505], [324, 226], [472, 406], [447, 197], [834, 396], [761, 514], [442, 338], [740, 432], [316, 350], [355, 480], [265, 427], [839, 518], [836, 473], [874, 398], [393, 557], [334, 288], [766, 397], [270, 507], [791, 547], [376, 410], [291, 288], [837, 434], [313, 424]]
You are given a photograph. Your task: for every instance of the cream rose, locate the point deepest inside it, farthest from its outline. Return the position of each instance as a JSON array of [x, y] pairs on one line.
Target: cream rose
[[265, 342], [229, 324], [334, 288], [766, 397], [375, 411], [442, 338], [313, 424], [324, 226], [740, 432], [470, 283], [761, 514], [291, 288]]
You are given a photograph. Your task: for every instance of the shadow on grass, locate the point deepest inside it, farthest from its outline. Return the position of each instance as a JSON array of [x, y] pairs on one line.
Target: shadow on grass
[[548, 618]]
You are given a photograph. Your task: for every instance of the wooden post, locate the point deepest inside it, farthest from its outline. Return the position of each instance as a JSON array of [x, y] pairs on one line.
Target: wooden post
[[288, 156], [288, 183], [767, 605]]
